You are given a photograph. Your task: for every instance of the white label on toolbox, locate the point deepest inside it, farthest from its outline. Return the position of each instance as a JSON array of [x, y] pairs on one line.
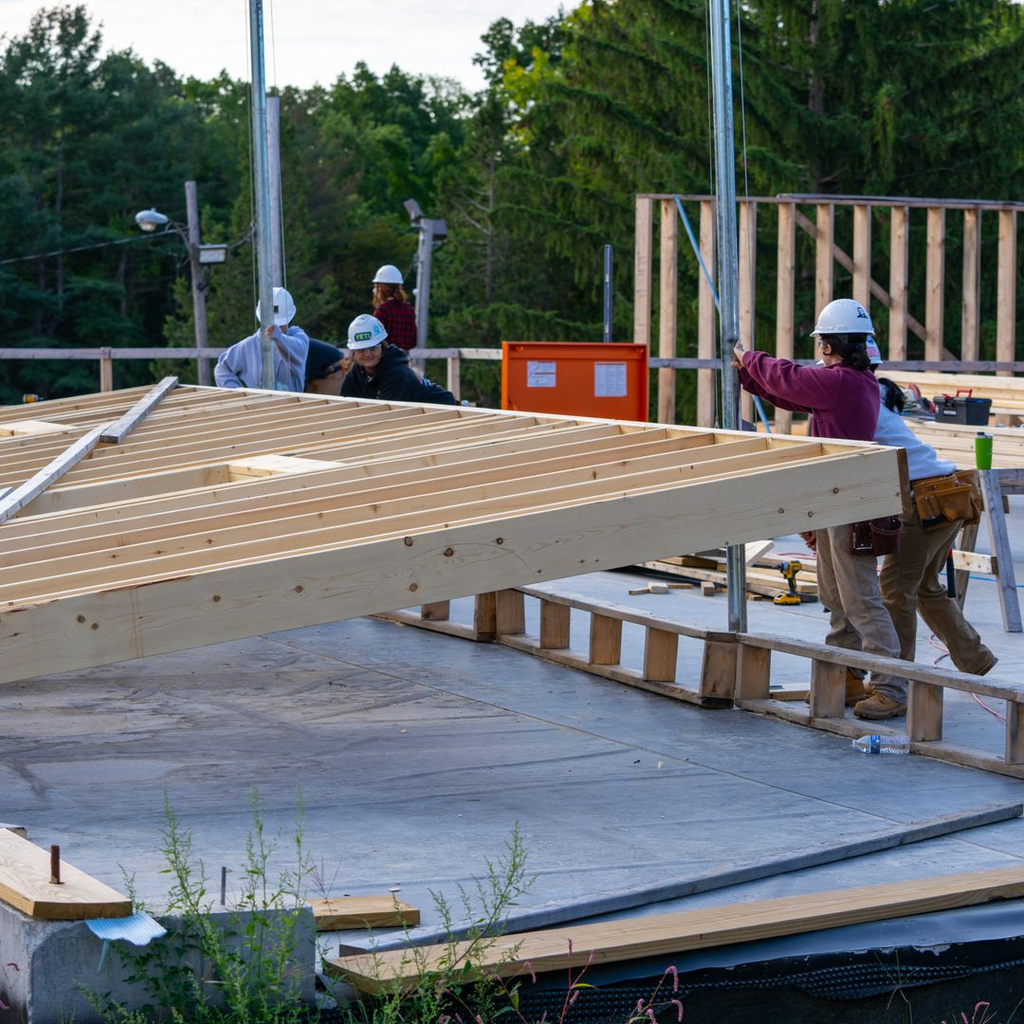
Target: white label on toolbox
[[540, 375], [609, 380]]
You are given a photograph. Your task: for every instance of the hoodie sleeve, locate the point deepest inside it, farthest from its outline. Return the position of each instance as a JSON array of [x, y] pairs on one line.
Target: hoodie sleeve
[[789, 385], [292, 348], [230, 367]]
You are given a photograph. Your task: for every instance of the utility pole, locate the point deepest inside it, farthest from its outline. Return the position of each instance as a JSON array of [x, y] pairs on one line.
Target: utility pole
[[274, 153], [198, 292], [264, 257], [728, 270], [432, 231]]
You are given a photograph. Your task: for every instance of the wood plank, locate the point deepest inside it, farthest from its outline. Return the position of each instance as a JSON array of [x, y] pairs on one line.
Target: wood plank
[[862, 255], [660, 652], [667, 935], [1014, 749], [605, 640], [706, 334], [439, 611], [718, 674], [823, 265], [1000, 542], [828, 690], [924, 711], [510, 612], [747, 253], [935, 284], [33, 428], [121, 428], [753, 673], [899, 270], [341, 913], [642, 276], [668, 309], [1007, 273], [974, 561], [485, 614], [970, 317], [785, 291], [25, 885], [554, 625]]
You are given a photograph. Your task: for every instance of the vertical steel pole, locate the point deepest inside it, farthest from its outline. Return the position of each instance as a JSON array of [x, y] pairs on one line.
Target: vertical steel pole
[[424, 261], [728, 268], [264, 256], [607, 293], [274, 163], [198, 295]]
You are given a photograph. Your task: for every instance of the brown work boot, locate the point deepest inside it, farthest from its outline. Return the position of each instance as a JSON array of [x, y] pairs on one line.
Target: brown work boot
[[855, 690], [879, 706]]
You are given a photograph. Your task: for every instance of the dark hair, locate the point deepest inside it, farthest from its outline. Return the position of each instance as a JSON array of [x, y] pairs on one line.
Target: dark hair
[[892, 395], [851, 348]]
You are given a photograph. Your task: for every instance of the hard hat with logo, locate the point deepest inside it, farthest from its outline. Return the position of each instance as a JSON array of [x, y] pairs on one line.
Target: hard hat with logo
[[388, 274], [843, 316], [365, 332], [284, 307]]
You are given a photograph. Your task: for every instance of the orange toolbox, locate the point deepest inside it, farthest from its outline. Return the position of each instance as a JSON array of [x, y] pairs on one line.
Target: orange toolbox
[[574, 378]]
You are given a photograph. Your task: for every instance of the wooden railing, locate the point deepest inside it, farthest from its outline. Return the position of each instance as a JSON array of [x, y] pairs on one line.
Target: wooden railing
[[855, 258]]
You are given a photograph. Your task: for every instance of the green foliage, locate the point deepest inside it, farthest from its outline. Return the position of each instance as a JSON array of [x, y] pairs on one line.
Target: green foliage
[[206, 971]]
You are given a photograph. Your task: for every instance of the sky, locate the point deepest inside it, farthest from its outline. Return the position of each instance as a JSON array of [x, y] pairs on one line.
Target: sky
[[307, 41]]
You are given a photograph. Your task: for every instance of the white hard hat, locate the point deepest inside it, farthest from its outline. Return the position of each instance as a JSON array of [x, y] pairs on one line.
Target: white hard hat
[[874, 353], [388, 274], [843, 316], [284, 307], [365, 332]]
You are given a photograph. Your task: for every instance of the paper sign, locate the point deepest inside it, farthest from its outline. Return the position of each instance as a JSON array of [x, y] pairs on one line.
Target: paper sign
[[540, 375], [609, 380]]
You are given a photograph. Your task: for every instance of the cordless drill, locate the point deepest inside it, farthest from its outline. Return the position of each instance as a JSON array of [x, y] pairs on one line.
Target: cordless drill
[[789, 572]]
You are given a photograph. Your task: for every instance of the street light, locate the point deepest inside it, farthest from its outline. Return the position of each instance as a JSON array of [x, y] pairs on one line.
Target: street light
[[432, 232], [198, 255]]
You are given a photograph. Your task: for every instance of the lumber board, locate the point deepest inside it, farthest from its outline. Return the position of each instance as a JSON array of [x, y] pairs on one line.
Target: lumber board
[[667, 935], [120, 428], [25, 885], [340, 913]]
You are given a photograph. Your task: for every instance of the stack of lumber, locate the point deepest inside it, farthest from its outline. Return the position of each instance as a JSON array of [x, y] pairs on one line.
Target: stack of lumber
[[955, 442], [1007, 393], [763, 576]]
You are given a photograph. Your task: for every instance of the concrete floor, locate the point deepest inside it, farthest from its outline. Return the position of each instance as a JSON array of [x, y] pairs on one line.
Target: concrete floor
[[413, 755]]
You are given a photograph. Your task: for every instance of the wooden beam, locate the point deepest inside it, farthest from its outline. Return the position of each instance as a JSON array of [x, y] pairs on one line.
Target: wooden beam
[[642, 275], [660, 650], [605, 640], [668, 309], [510, 612], [935, 284], [25, 885], [554, 625], [665, 935], [19, 497], [862, 255], [828, 689], [747, 289], [924, 711], [785, 288], [707, 380], [1006, 293], [121, 428], [970, 319], [899, 270], [1009, 602], [342, 913], [718, 674], [823, 267]]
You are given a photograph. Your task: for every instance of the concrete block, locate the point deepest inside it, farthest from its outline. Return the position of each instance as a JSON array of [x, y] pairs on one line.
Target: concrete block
[[46, 965]]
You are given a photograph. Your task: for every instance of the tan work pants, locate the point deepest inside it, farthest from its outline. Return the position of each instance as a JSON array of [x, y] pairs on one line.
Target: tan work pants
[[910, 584], [848, 587]]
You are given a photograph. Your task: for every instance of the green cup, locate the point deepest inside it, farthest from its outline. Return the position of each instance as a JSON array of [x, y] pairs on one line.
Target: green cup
[[983, 451]]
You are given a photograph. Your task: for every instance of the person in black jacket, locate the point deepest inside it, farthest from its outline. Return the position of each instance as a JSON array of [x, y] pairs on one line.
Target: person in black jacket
[[382, 371]]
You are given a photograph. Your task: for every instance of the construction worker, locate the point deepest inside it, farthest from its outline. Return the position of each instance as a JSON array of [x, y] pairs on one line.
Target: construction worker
[[942, 500], [326, 366], [842, 398], [382, 371], [241, 366], [391, 307]]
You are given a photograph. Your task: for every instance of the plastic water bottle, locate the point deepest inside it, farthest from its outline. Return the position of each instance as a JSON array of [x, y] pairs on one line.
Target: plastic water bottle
[[882, 744]]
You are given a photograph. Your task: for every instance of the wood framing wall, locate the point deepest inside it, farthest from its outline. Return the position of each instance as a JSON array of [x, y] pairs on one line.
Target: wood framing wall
[[228, 514]]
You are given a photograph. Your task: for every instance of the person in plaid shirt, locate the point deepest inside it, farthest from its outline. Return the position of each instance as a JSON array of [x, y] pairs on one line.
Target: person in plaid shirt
[[391, 307]]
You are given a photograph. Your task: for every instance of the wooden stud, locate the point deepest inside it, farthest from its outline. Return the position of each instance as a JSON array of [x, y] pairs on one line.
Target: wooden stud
[[106, 370], [747, 289], [342, 913], [605, 640], [1006, 297], [1000, 541], [924, 711], [668, 310], [642, 259], [439, 611], [485, 615], [718, 674], [935, 284], [554, 625], [823, 258], [753, 673], [706, 333], [121, 428], [899, 257], [1014, 750], [454, 369], [785, 315], [828, 690], [862, 255], [510, 613], [970, 321], [660, 650]]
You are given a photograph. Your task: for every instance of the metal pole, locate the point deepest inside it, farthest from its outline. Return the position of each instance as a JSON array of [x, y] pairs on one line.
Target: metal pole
[[424, 259], [264, 258], [274, 154], [607, 293], [198, 293], [728, 269]]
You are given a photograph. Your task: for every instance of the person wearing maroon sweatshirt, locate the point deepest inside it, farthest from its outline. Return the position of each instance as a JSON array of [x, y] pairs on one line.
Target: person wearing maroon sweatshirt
[[842, 398]]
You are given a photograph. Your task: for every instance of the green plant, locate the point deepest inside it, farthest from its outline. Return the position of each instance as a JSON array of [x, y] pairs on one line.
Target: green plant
[[245, 961]]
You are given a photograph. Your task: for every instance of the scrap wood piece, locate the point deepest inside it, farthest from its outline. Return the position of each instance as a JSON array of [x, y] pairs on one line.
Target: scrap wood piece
[[25, 885], [339, 913], [15, 500], [116, 432], [667, 935]]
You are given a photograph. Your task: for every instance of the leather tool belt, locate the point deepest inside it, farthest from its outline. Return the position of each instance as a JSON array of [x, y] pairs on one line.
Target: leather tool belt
[[947, 499]]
